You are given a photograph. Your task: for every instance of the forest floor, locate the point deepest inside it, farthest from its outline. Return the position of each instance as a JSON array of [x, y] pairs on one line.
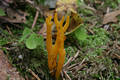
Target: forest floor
[[92, 42]]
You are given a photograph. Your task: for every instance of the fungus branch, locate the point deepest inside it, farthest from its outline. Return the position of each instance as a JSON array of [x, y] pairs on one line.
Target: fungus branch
[[56, 49]]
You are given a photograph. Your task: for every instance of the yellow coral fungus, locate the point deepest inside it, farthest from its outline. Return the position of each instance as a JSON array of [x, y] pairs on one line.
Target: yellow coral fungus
[[58, 48]]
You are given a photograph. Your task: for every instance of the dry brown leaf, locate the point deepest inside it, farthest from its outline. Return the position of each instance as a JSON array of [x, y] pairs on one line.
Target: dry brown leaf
[[75, 22], [6, 69], [66, 6], [111, 17]]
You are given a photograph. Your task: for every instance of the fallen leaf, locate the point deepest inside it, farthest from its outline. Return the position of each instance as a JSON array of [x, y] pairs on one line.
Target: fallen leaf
[[111, 17], [67, 5], [75, 22]]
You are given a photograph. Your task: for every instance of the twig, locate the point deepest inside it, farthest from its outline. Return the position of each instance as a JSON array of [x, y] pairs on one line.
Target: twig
[[78, 67], [71, 59], [35, 19], [88, 7], [62, 75], [76, 55], [37, 7], [106, 26], [116, 55], [117, 46], [67, 75], [9, 30], [73, 65], [108, 10], [89, 30], [68, 62], [34, 74]]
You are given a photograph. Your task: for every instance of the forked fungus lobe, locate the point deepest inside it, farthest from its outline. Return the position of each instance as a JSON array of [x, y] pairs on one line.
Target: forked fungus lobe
[[56, 49]]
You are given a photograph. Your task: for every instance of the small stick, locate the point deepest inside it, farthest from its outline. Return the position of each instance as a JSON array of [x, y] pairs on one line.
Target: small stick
[[72, 66], [9, 30], [116, 55], [117, 46], [71, 59], [62, 75], [67, 75], [35, 19], [78, 67], [76, 55], [33, 5], [68, 62], [34, 74], [88, 7], [89, 30]]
